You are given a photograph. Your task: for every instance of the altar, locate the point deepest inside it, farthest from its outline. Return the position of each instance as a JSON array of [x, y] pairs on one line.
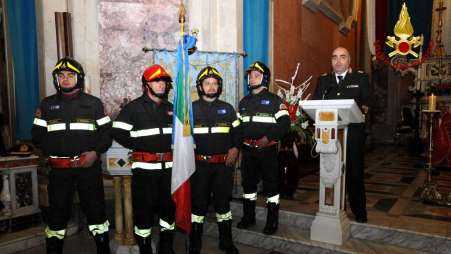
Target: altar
[[18, 187]]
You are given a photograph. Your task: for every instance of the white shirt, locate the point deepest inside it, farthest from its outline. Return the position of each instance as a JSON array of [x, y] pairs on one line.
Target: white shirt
[[342, 74]]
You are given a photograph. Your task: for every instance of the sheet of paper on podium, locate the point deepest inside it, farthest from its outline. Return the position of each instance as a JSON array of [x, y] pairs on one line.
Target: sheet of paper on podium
[[348, 110]]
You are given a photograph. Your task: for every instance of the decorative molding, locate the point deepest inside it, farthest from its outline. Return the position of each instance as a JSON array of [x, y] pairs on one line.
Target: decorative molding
[[311, 4], [344, 24]]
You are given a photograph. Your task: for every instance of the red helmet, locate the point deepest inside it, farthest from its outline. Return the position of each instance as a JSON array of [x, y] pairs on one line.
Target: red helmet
[[155, 73]]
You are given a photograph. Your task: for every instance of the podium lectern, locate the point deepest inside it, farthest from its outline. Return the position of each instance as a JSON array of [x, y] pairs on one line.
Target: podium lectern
[[332, 118]]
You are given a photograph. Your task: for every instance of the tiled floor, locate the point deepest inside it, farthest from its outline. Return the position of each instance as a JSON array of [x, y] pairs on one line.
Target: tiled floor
[[82, 243], [393, 181]]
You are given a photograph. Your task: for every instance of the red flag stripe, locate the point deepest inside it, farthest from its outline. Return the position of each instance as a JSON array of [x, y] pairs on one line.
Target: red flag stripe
[[182, 200]]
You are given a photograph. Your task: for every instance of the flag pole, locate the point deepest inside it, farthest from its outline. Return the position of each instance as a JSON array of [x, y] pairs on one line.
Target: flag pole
[[182, 12]]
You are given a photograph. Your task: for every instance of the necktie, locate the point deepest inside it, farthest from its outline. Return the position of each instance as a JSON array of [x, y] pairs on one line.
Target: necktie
[[340, 80]]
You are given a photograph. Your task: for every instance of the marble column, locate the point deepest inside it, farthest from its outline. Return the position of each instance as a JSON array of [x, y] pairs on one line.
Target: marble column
[[219, 23]]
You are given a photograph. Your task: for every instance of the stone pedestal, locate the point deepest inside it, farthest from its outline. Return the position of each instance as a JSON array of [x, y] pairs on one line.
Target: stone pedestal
[[330, 229], [331, 120], [116, 163]]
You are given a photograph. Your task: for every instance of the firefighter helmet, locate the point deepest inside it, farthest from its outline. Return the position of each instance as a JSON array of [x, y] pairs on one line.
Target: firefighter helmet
[[157, 73], [68, 64], [263, 69], [208, 72]]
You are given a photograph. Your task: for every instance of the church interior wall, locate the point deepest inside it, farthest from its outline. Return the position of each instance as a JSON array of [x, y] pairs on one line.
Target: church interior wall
[[301, 35], [108, 37]]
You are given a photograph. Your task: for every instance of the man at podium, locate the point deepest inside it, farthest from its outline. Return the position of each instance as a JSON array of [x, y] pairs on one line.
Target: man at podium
[[343, 83]]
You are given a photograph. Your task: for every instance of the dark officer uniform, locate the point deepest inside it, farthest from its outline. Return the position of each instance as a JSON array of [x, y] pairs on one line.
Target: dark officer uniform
[[145, 127], [354, 86], [261, 114], [64, 128]]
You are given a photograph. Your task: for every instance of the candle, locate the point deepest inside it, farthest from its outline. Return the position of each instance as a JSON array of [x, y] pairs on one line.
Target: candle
[[432, 102]]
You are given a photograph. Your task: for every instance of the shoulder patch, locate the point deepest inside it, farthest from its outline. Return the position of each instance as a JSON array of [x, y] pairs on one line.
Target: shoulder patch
[[38, 113], [221, 111]]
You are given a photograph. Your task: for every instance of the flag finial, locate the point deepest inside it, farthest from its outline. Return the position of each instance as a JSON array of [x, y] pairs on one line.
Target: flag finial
[[182, 13]]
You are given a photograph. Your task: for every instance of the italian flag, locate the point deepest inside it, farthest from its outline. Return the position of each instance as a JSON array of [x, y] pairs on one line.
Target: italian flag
[[183, 143]]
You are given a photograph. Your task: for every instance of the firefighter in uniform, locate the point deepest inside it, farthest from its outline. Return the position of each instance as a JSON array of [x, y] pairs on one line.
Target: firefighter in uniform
[[72, 130], [145, 127], [217, 142], [264, 121], [343, 83]]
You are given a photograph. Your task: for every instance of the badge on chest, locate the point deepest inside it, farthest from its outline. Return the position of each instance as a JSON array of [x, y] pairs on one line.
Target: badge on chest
[[55, 107], [265, 102]]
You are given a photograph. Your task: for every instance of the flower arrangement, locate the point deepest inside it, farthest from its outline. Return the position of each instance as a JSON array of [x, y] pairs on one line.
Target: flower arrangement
[[291, 98]]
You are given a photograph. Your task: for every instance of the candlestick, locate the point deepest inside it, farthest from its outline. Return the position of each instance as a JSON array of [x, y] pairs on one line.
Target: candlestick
[[432, 102]]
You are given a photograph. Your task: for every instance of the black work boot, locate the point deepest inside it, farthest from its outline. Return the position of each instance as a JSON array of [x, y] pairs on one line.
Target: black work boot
[[54, 245], [166, 242], [144, 244], [272, 219], [248, 219], [195, 238], [225, 237], [102, 243]]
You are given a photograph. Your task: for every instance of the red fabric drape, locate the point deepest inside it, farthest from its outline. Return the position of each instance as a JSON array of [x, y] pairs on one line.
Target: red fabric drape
[[441, 138], [381, 20]]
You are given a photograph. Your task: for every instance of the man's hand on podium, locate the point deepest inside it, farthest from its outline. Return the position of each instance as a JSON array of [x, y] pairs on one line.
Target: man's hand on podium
[[365, 109]]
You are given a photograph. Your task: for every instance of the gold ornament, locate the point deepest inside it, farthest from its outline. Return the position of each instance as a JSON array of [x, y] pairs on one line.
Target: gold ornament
[[404, 43]]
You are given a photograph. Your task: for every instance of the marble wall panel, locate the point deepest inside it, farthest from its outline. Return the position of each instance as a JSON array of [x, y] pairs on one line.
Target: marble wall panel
[[125, 27]]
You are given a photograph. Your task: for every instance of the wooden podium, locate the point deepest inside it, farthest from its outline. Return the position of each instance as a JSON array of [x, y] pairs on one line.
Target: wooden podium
[[332, 117]]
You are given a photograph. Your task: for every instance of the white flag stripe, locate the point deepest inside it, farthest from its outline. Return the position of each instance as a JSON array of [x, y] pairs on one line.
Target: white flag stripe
[[182, 157]]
